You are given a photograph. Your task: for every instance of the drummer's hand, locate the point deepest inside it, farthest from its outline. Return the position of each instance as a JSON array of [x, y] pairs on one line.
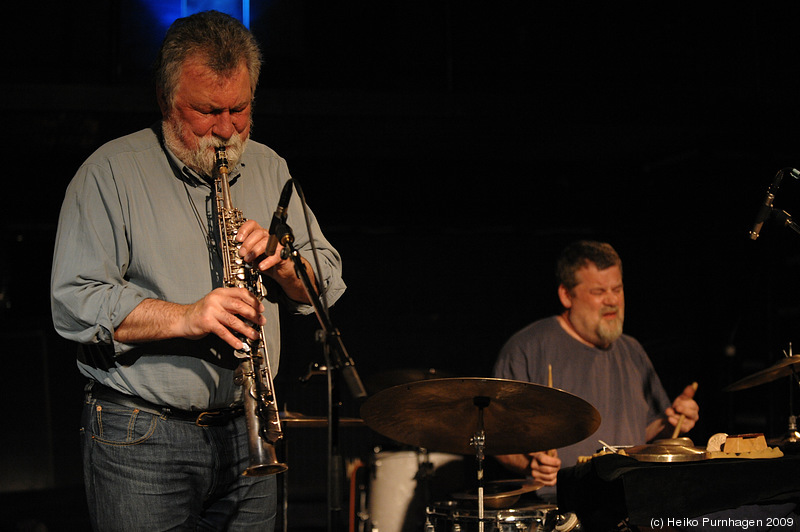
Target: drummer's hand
[[544, 466], [684, 404]]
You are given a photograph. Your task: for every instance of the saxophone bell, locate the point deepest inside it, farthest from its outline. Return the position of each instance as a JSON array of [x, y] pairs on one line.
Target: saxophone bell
[[262, 435]]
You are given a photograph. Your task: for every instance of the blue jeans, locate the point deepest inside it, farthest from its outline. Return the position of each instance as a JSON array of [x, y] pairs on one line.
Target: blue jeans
[[144, 472]]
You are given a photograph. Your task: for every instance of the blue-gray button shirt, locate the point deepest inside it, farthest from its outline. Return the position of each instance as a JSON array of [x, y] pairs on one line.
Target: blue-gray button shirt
[[137, 224]]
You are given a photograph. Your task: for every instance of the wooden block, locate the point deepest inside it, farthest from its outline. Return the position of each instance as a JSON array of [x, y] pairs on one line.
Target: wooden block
[[745, 443]]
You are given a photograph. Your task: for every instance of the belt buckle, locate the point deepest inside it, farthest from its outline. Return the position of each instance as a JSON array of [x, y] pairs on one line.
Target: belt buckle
[[206, 419], [214, 417]]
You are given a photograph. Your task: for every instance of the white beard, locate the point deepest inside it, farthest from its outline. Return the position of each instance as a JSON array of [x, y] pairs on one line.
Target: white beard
[[609, 331], [202, 159]]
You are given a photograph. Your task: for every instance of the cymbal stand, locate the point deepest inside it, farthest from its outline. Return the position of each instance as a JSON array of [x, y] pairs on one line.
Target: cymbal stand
[[424, 473], [792, 436], [478, 441]]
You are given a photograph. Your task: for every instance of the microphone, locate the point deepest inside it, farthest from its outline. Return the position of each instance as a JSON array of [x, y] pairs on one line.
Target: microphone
[[766, 207], [278, 218]]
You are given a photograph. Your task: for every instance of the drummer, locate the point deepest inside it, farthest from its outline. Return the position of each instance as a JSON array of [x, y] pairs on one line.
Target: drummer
[[590, 357]]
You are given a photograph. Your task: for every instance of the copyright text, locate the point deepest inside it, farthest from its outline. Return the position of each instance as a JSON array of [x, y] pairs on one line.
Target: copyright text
[[710, 522]]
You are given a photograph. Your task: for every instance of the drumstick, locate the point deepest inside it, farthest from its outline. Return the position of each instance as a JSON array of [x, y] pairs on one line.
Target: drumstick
[[678, 427], [680, 419], [551, 452]]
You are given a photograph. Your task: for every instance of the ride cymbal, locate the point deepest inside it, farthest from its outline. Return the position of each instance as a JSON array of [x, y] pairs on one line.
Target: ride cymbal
[[443, 415]]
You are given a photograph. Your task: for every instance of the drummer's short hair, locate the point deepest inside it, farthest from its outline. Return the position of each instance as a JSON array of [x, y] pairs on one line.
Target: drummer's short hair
[[579, 254]]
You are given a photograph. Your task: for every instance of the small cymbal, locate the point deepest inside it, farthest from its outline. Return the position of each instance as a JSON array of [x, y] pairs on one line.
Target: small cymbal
[[500, 493], [782, 368], [441, 415], [668, 450]]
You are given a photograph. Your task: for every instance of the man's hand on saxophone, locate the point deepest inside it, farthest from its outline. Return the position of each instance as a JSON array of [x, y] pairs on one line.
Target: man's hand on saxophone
[[224, 312], [253, 240]]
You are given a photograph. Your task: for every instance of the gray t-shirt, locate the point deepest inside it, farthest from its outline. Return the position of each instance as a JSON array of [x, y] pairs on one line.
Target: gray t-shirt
[[620, 382]]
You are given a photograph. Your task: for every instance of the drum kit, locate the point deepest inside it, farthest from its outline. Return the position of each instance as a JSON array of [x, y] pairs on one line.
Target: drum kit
[[441, 419], [472, 416]]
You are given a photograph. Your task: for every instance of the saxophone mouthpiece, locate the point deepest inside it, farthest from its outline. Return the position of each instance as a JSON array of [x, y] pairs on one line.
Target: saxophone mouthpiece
[[221, 160]]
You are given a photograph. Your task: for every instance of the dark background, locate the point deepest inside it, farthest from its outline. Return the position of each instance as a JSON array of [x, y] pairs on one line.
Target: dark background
[[450, 150]]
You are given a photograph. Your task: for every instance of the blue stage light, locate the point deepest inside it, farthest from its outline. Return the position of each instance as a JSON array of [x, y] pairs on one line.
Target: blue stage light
[[166, 11], [236, 8], [143, 23]]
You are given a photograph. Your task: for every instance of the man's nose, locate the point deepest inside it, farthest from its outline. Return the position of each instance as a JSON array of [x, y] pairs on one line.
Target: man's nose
[[223, 126]]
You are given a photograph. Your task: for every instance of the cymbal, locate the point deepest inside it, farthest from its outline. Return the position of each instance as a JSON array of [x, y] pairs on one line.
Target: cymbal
[[500, 493], [782, 368], [668, 450], [294, 419], [387, 379], [441, 415]]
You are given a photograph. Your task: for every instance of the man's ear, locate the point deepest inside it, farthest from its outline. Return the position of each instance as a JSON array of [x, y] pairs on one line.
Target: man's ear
[[162, 102], [564, 296]]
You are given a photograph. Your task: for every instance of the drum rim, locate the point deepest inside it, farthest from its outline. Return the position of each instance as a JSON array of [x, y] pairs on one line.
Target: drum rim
[[529, 509]]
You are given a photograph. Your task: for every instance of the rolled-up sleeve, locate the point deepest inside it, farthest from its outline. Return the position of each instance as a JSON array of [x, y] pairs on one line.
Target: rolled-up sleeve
[[89, 294], [328, 271]]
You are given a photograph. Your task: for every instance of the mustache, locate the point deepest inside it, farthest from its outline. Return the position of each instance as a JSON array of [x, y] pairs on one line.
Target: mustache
[[234, 146], [235, 142]]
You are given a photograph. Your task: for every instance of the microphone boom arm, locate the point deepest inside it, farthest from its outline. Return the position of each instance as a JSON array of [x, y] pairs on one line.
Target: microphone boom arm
[[340, 359]]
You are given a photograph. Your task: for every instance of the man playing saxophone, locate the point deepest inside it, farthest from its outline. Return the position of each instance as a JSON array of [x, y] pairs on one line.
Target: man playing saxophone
[[137, 283]]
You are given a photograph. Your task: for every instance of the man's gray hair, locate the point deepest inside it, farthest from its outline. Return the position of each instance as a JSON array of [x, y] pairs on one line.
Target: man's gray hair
[[221, 41]]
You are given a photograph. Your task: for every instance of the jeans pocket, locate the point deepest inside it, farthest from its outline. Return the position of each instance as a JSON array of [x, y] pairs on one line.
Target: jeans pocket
[[119, 425]]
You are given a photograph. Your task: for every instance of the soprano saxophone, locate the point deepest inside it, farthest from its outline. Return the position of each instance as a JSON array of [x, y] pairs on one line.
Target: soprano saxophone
[[253, 373]]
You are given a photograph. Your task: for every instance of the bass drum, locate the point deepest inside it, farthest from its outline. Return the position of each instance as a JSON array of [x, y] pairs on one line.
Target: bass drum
[[452, 517], [403, 483]]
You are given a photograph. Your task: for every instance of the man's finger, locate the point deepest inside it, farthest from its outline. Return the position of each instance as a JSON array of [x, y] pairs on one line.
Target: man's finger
[[690, 390]]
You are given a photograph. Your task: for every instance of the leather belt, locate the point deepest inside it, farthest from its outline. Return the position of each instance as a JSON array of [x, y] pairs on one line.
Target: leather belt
[[203, 418]]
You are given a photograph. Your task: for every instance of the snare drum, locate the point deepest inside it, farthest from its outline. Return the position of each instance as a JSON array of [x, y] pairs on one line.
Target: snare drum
[[451, 517]]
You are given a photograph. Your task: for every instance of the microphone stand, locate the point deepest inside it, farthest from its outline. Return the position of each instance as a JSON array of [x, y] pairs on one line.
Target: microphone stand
[[337, 362]]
